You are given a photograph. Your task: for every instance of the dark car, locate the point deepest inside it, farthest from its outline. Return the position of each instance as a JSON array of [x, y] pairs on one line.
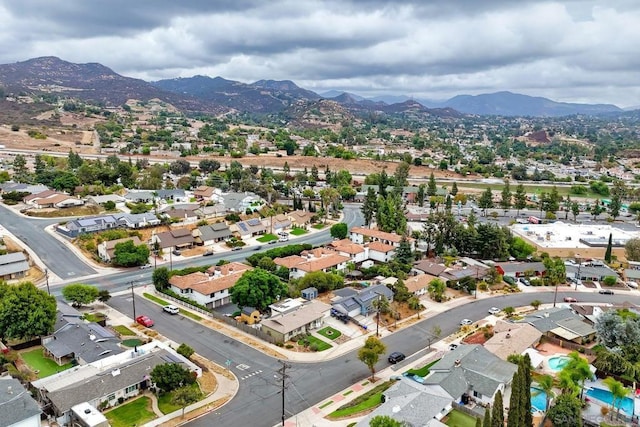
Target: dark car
[[236, 248], [606, 291], [396, 357]]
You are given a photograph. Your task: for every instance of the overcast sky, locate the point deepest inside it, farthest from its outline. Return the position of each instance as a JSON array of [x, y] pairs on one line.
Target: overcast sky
[[572, 50]]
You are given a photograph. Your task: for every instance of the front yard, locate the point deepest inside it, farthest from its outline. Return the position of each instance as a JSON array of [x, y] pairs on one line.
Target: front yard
[[313, 343], [298, 231], [41, 365], [329, 333], [136, 412], [267, 238]]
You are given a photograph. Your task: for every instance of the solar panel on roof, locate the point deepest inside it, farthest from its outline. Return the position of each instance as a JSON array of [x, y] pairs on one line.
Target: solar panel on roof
[[170, 358], [243, 226], [253, 222]]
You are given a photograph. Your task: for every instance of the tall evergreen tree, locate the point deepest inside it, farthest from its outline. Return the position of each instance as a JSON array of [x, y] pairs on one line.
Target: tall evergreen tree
[[520, 198], [454, 189], [486, 201], [382, 183], [515, 410], [607, 254], [369, 206], [497, 413], [525, 394], [487, 417], [420, 194], [432, 187], [478, 422], [448, 203], [505, 201]]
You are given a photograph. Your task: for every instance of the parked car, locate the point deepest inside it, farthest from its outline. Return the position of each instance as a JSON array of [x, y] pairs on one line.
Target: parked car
[[171, 309], [257, 248], [453, 346], [464, 322], [176, 252], [570, 299], [396, 357], [632, 285], [605, 291], [144, 321], [147, 265], [207, 253], [236, 248], [273, 242], [494, 310]]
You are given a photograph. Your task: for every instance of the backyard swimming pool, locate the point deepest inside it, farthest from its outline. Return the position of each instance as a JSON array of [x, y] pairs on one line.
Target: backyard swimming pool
[[556, 363], [538, 400], [606, 397]]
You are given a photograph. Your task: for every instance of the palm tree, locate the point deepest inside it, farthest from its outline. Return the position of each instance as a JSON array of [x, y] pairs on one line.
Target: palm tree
[[618, 391], [545, 384], [578, 369]]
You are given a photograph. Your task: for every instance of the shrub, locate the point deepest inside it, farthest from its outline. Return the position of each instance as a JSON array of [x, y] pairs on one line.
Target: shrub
[[313, 347], [185, 350]]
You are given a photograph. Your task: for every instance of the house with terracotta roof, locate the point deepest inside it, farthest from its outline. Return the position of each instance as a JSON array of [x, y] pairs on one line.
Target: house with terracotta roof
[[418, 285], [211, 288], [318, 259], [381, 252], [429, 266], [52, 199], [357, 253], [363, 235], [512, 338], [301, 320], [107, 248], [179, 238], [204, 193]]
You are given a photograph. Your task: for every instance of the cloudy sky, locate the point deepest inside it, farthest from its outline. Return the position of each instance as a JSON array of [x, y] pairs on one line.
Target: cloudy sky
[[571, 50]]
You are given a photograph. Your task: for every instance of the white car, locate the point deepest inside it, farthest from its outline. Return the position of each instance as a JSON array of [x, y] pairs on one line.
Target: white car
[[465, 322], [494, 310], [145, 266], [171, 309]]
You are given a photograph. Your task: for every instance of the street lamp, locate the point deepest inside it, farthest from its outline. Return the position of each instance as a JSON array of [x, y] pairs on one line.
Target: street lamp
[[46, 275], [133, 300]]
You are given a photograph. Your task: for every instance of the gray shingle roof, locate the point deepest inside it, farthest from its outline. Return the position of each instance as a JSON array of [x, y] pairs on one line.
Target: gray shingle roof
[[86, 341], [12, 263], [16, 404]]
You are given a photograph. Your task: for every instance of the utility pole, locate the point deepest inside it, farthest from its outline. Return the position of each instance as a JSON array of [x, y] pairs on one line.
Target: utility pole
[[282, 371], [133, 301], [378, 316], [578, 279], [46, 275]]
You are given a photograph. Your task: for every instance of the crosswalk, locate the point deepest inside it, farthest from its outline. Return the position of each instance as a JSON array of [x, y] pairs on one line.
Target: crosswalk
[[245, 368]]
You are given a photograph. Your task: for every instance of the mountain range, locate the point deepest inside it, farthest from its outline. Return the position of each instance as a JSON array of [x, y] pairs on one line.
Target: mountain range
[[98, 83]]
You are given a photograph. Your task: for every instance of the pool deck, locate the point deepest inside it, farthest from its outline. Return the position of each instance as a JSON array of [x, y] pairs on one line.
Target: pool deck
[[592, 411]]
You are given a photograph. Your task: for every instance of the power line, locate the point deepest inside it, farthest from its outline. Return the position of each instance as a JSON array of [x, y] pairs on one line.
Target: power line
[[282, 371]]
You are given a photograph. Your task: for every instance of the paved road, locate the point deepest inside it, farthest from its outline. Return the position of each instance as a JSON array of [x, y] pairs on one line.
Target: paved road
[[53, 253], [258, 402]]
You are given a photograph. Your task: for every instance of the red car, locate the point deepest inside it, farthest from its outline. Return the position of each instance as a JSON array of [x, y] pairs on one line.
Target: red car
[[144, 321]]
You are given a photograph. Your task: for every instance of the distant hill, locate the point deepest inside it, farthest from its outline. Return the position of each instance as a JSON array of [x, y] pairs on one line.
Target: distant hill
[[513, 104]]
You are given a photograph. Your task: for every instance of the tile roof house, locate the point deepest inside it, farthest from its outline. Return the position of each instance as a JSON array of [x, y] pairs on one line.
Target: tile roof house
[[82, 342], [381, 252], [178, 238], [357, 253], [300, 218], [212, 233], [13, 265], [354, 303], [512, 338], [210, 289], [318, 259], [303, 319], [473, 371], [429, 266], [105, 381], [362, 235], [17, 407], [52, 199], [562, 323], [203, 192], [107, 248], [419, 284]]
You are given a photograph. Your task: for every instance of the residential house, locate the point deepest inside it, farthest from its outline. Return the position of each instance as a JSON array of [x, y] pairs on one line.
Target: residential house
[[98, 223], [457, 274], [429, 266], [250, 228], [305, 318], [13, 265], [354, 303], [135, 221], [418, 285], [210, 234], [286, 306], [471, 371], [81, 342], [20, 187], [300, 218], [363, 235], [84, 414], [52, 199], [107, 248], [17, 407], [140, 196], [204, 193], [345, 247], [381, 252], [106, 382], [179, 238], [562, 323], [240, 202], [589, 272], [521, 269], [278, 223], [101, 200], [512, 338], [210, 289], [183, 216], [318, 259], [176, 195], [413, 403]]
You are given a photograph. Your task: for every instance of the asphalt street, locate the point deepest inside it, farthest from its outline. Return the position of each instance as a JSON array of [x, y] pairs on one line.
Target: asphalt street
[[53, 253], [258, 402]]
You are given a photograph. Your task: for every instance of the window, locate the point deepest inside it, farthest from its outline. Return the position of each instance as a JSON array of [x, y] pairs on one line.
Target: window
[[131, 388], [112, 396]]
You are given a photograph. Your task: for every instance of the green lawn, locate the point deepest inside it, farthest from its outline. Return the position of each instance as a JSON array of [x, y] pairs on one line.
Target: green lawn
[[94, 317], [424, 371], [136, 412], [190, 315], [319, 226], [321, 345], [298, 231], [460, 419], [155, 299], [132, 342], [123, 330], [329, 332], [563, 188], [368, 400], [267, 238], [38, 362], [164, 401]]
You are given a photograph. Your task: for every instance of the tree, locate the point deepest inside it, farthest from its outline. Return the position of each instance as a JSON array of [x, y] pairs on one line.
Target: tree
[[104, 295], [415, 305], [454, 189], [566, 411], [618, 391], [339, 230], [432, 187], [615, 332], [208, 166], [487, 417], [509, 311], [545, 385], [180, 167], [185, 396], [486, 201], [520, 198], [171, 376], [20, 170], [185, 350], [257, 288], [632, 249], [578, 370], [370, 353], [369, 206], [386, 421], [404, 255], [436, 290], [618, 192], [497, 412], [80, 294], [400, 176], [575, 210], [420, 194], [25, 311], [505, 201], [536, 303], [127, 254], [478, 422], [160, 278], [525, 395], [515, 416], [323, 282], [607, 254]]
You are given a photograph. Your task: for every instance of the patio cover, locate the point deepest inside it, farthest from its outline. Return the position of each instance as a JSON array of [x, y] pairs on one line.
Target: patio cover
[[535, 356], [565, 333]]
